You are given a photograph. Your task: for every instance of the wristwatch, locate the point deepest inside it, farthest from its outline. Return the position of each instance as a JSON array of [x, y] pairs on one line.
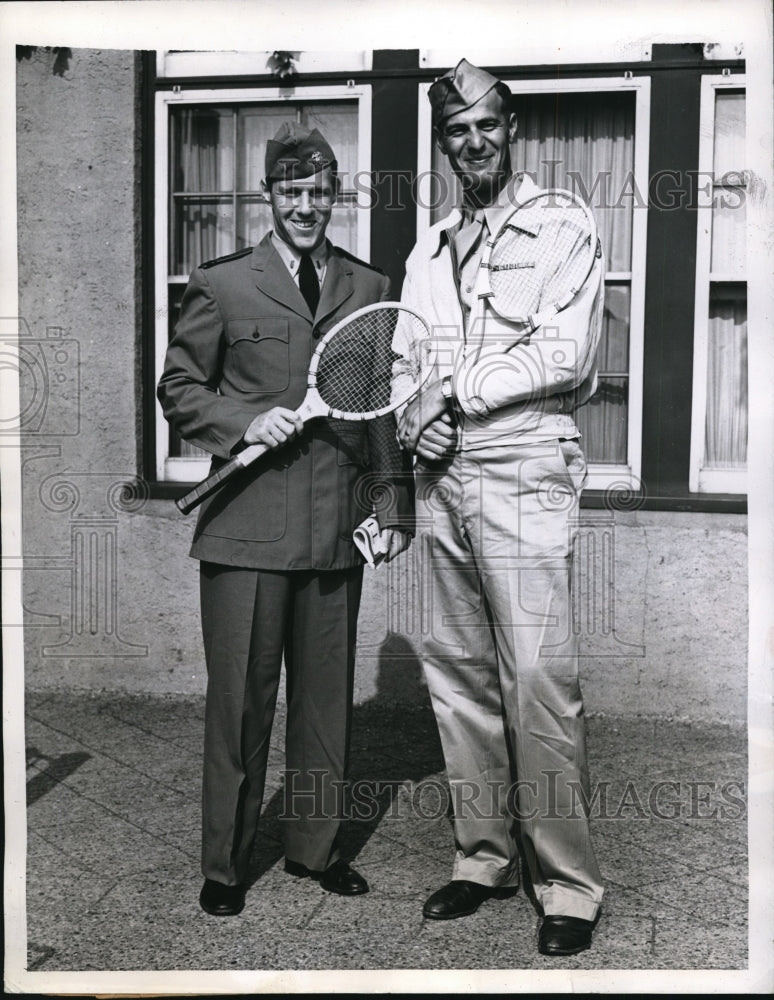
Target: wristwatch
[[446, 388]]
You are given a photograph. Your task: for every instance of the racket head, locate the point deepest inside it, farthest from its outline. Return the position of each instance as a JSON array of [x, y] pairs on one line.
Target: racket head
[[352, 368], [540, 257]]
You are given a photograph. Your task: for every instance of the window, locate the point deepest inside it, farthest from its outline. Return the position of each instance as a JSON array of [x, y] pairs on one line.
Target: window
[[719, 413], [209, 201], [589, 136]]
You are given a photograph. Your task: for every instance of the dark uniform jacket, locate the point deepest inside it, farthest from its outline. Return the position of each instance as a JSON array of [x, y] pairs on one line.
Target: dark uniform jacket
[[242, 346]]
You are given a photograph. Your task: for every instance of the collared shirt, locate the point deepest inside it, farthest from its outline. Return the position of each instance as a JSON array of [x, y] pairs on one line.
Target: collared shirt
[[468, 260], [494, 215], [510, 381], [292, 258]]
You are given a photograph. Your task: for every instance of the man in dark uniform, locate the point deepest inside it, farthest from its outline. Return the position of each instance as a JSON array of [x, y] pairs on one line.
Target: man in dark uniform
[[280, 575]]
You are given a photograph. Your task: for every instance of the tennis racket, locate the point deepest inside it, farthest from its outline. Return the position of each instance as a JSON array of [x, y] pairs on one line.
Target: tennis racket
[[349, 378], [537, 261]]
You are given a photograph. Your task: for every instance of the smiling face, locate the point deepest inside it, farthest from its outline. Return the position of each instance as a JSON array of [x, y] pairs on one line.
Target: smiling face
[[477, 142], [302, 208]]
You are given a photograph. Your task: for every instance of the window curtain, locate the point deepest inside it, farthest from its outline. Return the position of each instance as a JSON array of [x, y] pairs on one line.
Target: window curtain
[[203, 166], [338, 122], [583, 142], [217, 205], [727, 405], [218, 156]]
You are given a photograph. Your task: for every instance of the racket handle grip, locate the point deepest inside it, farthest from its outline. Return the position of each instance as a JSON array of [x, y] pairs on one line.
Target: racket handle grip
[[208, 486]]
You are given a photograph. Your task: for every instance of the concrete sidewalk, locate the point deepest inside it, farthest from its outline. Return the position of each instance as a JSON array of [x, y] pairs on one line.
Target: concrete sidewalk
[[113, 788]]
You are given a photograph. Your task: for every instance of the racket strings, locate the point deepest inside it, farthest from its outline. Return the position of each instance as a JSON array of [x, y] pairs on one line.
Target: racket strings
[[539, 257], [355, 367]]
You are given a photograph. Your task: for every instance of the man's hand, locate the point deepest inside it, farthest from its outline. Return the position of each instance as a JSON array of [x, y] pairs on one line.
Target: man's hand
[[423, 409], [397, 542], [274, 428], [438, 439]]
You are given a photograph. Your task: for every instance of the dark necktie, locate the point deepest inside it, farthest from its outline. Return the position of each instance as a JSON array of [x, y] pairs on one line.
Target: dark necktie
[[308, 283]]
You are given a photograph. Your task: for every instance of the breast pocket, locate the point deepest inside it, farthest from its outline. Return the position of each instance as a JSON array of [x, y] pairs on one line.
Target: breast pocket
[[258, 354]]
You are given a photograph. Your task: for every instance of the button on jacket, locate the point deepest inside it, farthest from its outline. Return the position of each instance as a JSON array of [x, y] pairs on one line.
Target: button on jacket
[[280, 576], [243, 346]]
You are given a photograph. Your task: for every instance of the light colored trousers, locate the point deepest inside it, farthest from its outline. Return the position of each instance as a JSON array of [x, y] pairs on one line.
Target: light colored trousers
[[500, 658]]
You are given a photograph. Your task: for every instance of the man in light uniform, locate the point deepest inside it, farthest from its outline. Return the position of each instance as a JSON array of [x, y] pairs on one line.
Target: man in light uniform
[[498, 475]]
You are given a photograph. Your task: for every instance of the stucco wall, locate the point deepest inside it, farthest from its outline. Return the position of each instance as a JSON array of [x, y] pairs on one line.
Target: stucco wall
[[111, 596], [79, 338]]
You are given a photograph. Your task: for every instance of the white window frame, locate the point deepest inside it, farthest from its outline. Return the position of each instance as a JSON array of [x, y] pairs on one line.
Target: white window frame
[[601, 476], [700, 479], [185, 470]]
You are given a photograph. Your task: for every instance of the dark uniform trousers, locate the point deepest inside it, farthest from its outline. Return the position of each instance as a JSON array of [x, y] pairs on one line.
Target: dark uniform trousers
[[248, 618]]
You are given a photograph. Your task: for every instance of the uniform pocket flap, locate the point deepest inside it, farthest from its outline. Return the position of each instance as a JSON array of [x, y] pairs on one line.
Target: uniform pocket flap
[[262, 328], [257, 356]]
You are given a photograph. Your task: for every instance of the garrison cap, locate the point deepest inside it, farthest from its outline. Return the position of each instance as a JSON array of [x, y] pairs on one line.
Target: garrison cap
[[459, 89], [296, 151]]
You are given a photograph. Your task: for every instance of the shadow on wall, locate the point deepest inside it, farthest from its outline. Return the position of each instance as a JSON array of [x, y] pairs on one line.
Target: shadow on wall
[[62, 56]]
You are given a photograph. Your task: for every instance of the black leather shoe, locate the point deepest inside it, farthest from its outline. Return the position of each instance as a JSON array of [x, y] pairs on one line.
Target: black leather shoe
[[340, 878], [564, 935], [221, 900], [459, 898]]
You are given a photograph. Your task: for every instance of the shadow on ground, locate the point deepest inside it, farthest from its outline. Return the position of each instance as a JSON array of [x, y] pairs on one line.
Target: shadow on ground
[[113, 846]]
